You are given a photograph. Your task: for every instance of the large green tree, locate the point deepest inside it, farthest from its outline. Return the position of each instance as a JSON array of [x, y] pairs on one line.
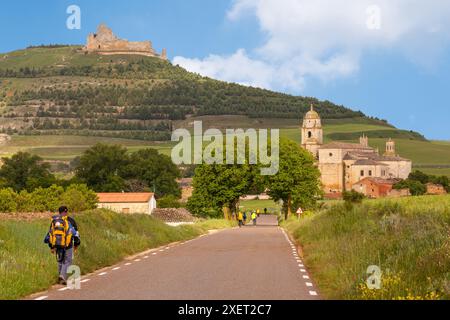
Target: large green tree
[[109, 168], [101, 166], [297, 182], [24, 171], [219, 187], [157, 172]]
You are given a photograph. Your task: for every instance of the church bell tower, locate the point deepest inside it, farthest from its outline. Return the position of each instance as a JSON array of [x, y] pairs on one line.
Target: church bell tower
[[312, 132]]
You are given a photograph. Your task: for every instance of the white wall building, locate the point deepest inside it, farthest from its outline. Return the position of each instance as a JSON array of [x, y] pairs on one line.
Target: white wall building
[[122, 202]]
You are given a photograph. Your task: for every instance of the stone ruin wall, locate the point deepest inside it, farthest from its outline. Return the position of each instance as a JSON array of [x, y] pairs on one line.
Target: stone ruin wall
[[104, 42]]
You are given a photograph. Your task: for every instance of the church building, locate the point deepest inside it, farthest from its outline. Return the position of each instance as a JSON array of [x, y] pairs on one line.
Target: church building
[[343, 165]]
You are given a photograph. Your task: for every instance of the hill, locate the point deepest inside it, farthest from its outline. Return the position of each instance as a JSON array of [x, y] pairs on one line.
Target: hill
[[61, 90], [50, 91]]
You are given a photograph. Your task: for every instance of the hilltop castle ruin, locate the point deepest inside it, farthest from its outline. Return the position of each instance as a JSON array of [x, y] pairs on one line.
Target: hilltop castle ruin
[[106, 43]]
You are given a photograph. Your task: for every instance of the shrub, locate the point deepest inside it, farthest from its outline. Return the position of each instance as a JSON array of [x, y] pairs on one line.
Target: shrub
[[169, 201], [416, 188], [8, 200], [78, 197], [353, 196]]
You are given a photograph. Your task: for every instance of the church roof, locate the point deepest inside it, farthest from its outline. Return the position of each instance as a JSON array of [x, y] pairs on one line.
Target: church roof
[[368, 162], [379, 181], [345, 145]]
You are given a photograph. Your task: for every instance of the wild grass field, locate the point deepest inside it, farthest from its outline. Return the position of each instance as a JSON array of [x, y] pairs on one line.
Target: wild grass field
[[26, 265], [407, 238]]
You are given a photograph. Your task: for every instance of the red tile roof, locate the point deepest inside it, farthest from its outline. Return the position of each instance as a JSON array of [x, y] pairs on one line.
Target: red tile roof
[[112, 197]]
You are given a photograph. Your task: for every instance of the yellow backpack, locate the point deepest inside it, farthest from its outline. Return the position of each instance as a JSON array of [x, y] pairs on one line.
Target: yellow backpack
[[60, 235]]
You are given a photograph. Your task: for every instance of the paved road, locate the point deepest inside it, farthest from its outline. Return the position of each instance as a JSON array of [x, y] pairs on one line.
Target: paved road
[[235, 264]]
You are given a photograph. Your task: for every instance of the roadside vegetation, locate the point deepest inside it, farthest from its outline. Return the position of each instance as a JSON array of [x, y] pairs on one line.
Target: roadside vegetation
[[27, 266], [408, 238]]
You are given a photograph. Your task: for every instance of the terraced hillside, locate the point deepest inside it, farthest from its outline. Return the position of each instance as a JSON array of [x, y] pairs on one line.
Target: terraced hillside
[[137, 101], [61, 90]]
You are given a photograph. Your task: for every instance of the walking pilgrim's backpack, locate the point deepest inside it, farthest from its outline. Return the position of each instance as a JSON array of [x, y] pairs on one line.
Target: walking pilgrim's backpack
[[61, 233]]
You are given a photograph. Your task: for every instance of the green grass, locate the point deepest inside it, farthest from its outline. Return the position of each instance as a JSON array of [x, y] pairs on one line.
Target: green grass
[[250, 205], [69, 147], [26, 265], [407, 238], [436, 171]]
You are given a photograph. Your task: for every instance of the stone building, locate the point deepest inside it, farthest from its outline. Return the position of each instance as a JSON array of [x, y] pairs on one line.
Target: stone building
[[375, 187], [124, 202], [343, 164], [435, 189], [104, 42]]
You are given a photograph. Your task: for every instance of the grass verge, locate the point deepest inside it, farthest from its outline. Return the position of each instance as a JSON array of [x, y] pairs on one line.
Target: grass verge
[[26, 265], [408, 238]]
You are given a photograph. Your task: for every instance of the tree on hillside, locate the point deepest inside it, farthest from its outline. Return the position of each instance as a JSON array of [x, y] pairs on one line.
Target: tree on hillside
[[24, 171], [101, 166], [297, 182]]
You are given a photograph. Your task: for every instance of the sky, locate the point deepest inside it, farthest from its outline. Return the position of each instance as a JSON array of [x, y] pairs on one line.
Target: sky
[[389, 59]]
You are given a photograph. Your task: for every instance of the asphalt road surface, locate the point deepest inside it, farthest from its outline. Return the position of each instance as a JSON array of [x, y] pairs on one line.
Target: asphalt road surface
[[252, 262]]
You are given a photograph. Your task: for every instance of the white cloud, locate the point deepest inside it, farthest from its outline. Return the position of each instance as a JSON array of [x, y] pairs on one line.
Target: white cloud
[[326, 39]]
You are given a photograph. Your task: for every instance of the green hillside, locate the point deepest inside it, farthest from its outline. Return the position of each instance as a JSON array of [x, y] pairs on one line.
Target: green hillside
[[61, 90], [57, 101]]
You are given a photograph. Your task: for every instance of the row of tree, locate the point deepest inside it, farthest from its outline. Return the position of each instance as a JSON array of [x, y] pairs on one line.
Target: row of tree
[[218, 187], [103, 168], [76, 197], [175, 99]]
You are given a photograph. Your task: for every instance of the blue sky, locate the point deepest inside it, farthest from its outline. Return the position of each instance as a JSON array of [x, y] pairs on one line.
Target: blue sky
[[396, 68]]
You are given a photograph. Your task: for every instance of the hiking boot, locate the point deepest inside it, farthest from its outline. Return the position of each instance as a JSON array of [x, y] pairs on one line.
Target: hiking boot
[[62, 281]]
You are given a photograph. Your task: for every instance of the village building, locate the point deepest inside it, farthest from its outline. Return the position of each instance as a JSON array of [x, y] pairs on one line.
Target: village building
[[435, 189], [343, 165], [104, 42], [128, 203], [379, 188]]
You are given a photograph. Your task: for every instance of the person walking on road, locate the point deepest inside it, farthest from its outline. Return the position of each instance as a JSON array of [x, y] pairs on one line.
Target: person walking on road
[[63, 238], [245, 218], [254, 217], [240, 219]]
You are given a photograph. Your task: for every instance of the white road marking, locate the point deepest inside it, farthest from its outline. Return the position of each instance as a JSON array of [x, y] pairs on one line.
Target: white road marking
[[313, 293], [300, 265], [309, 284], [302, 270], [305, 277], [63, 289], [161, 250], [116, 268], [41, 298], [154, 253], [103, 273], [127, 264], [85, 280], [137, 260], [146, 257]]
